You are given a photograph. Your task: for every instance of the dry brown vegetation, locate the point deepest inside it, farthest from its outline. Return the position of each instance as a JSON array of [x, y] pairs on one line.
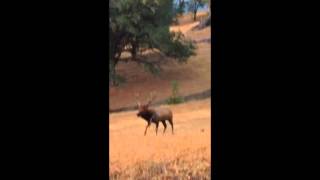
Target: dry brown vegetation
[[179, 168]]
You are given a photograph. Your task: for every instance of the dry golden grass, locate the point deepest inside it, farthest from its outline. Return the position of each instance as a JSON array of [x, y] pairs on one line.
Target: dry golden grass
[[178, 168], [184, 155]]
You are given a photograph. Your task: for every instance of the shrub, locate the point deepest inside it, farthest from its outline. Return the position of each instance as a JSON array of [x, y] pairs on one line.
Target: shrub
[[175, 98]]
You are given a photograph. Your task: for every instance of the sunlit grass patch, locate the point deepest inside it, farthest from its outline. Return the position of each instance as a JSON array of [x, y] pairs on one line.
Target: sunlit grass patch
[[179, 168]]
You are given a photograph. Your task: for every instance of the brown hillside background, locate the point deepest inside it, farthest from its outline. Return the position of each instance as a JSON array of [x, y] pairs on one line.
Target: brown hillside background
[[193, 77]]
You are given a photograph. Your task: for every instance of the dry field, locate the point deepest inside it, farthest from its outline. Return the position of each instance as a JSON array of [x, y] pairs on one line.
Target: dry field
[[184, 155]]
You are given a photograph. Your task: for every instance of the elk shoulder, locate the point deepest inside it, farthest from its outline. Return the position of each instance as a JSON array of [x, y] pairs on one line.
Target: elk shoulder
[[162, 113]]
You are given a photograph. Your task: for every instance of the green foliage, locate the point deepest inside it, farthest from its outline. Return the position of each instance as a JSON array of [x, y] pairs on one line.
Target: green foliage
[[173, 45], [144, 24], [175, 98]]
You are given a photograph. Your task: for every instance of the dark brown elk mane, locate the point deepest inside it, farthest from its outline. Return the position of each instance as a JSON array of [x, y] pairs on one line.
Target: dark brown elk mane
[[146, 115]]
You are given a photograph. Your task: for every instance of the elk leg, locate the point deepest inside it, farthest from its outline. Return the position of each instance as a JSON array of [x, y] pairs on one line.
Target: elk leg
[[145, 131], [164, 125], [157, 125], [170, 121]]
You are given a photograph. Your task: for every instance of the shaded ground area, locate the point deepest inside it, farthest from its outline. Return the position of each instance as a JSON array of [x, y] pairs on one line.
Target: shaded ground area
[[193, 77], [186, 153]]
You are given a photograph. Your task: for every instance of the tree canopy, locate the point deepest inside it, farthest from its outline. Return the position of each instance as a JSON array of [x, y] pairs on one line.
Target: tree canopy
[[139, 25]]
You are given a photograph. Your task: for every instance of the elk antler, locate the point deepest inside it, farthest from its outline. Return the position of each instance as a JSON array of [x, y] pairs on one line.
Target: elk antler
[[138, 102], [152, 97]]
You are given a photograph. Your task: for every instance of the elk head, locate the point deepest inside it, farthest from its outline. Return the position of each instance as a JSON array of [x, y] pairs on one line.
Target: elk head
[[143, 108]]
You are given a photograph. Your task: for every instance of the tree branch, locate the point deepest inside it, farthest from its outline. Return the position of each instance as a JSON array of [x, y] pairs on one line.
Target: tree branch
[[140, 59]]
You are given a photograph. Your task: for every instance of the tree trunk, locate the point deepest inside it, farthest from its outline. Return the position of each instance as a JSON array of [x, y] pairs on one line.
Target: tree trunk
[[134, 49], [112, 71], [181, 7], [205, 22], [194, 15]]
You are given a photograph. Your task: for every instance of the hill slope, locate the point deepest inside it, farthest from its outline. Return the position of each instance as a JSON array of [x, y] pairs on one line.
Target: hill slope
[[193, 77]]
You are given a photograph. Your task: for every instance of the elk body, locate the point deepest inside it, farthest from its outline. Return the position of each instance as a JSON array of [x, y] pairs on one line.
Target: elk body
[[155, 115]]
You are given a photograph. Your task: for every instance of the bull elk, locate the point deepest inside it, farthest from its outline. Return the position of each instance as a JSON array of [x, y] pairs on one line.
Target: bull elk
[[154, 115]]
